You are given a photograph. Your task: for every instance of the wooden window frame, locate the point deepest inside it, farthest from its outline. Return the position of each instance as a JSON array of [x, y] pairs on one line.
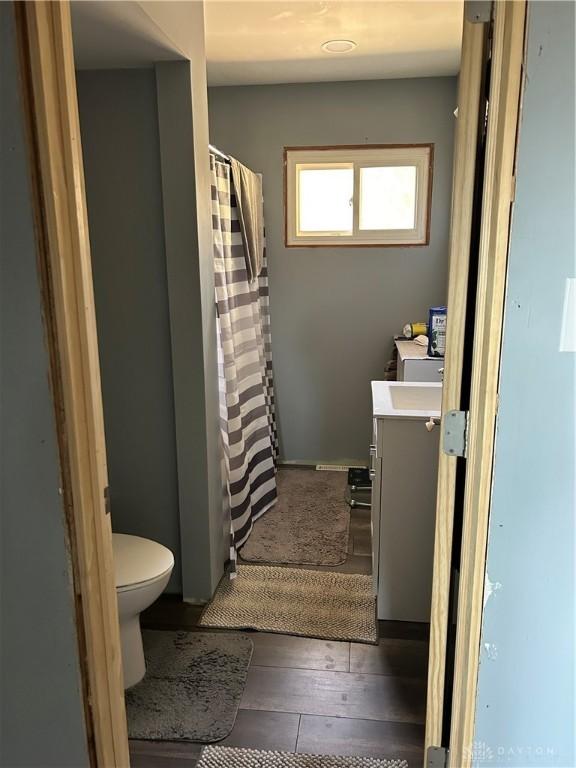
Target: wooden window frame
[[359, 156]]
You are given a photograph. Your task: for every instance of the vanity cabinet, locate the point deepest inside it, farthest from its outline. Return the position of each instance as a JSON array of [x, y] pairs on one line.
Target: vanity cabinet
[[414, 363], [404, 469]]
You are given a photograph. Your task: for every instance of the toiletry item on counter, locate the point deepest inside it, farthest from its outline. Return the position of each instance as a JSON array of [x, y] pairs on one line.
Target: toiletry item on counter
[[411, 330], [421, 340], [437, 332]]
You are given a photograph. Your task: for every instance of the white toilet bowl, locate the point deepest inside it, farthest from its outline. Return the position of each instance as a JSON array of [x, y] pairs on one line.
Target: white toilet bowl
[[142, 569]]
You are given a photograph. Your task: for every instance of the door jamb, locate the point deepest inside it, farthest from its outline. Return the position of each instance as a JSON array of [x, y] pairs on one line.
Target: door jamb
[[497, 202], [465, 169], [497, 198], [51, 113]]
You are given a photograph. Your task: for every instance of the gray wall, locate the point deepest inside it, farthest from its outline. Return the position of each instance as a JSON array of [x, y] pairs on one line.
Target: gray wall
[[183, 121], [42, 716], [526, 696], [144, 135], [118, 116], [335, 310]]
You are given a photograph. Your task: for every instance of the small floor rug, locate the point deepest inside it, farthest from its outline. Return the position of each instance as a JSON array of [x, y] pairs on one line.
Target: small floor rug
[[230, 757], [309, 523], [295, 601], [193, 685]]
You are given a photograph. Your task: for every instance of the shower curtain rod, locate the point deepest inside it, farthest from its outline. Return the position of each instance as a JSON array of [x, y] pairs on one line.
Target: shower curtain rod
[[216, 151]]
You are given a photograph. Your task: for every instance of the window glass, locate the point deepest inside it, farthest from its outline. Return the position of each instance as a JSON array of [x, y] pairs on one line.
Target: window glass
[[388, 197], [325, 200]]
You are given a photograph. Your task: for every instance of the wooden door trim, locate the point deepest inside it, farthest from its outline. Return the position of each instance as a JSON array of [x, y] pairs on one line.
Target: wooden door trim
[[497, 200], [48, 78], [465, 156]]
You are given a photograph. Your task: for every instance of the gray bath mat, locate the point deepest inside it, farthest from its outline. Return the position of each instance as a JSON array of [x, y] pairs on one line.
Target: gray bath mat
[[193, 685], [230, 757], [309, 523], [295, 601]]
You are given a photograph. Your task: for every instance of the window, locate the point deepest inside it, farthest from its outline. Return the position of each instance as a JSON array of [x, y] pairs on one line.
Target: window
[[368, 195]]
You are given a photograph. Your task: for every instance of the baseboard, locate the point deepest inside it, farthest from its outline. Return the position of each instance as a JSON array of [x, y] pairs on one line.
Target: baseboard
[[310, 464]]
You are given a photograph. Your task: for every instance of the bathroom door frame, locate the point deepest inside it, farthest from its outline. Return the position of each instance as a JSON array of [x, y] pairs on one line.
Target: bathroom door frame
[[48, 87], [507, 40], [48, 78], [466, 142]]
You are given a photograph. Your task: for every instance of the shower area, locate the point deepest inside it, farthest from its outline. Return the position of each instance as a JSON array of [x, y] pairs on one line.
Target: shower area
[[277, 514], [245, 375]]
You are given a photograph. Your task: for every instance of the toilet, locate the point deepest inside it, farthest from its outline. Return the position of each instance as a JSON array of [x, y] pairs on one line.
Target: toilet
[[142, 568]]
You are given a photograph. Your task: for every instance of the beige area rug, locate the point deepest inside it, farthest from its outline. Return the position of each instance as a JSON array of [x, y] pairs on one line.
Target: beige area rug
[[295, 601], [309, 523], [231, 757]]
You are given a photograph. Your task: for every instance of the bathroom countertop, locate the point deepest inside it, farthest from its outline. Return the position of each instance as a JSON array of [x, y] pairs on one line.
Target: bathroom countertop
[[409, 350]]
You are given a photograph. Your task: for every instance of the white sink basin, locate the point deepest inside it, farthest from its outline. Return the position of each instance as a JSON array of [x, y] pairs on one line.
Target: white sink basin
[[407, 399], [416, 398]]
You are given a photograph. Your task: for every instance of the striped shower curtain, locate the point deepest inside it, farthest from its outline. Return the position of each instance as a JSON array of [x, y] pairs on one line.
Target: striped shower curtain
[[247, 419]]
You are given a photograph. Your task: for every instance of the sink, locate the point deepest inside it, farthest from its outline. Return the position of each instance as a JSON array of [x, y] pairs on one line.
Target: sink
[[415, 398], [407, 400]]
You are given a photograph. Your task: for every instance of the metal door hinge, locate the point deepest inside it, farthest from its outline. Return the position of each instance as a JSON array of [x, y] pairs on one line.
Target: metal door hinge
[[455, 433], [437, 757], [478, 11], [107, 500]]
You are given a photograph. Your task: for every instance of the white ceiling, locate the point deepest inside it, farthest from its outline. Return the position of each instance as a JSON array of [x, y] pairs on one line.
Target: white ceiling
[[266, 41]]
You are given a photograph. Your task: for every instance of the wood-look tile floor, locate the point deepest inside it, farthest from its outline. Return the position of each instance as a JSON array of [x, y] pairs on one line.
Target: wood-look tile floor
[[305, 695], [317, 696]]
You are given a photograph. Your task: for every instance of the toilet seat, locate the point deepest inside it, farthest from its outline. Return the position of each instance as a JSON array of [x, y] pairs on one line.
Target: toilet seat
[[139, 561]]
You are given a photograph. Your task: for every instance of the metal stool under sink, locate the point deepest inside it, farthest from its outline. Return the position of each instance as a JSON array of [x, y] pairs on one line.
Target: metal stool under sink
[[359, 480]]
